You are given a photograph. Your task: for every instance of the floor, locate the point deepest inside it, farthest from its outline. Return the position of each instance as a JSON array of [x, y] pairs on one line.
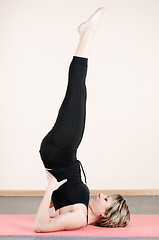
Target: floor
[[29, 205]]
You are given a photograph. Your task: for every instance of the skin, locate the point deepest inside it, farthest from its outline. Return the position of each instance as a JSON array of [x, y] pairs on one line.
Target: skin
[[87, 31], [98, 205]]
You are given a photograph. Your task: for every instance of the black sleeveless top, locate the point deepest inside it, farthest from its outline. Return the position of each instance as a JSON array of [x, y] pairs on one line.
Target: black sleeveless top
[[74, 190]]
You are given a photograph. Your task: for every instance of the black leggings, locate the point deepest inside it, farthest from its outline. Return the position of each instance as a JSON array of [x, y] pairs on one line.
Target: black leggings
[[59, 146]]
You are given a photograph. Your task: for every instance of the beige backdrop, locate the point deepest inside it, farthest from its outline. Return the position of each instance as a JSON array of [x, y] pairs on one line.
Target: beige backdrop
[[120, 145]]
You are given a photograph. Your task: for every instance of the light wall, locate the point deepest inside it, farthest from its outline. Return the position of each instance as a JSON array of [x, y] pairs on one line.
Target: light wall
[[120, 145]]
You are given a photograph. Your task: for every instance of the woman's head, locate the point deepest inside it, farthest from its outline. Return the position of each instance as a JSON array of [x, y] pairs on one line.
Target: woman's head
[[111, 211]]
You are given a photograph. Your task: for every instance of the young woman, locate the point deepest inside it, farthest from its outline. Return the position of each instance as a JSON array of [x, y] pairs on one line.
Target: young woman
[[72, 208]]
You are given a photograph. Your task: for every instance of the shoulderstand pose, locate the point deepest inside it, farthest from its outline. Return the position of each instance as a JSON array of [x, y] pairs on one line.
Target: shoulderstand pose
[[72, 208]]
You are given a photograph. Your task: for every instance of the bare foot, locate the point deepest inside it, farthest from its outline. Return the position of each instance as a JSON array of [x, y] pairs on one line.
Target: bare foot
[[92, 23]]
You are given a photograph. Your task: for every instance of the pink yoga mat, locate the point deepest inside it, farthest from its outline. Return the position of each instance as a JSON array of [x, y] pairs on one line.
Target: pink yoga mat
[[139, 226]]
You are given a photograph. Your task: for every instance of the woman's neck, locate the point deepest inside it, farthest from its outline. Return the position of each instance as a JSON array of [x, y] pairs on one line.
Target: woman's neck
[[91, 216]]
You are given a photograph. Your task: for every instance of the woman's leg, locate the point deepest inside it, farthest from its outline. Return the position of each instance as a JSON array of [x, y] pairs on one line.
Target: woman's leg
[[59, 146]]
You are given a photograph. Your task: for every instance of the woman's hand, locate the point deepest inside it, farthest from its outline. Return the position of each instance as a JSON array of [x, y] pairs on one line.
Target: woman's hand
[[52, 181]]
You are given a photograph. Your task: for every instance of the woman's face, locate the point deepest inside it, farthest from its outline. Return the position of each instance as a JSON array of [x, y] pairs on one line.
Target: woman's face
[[100, 203]]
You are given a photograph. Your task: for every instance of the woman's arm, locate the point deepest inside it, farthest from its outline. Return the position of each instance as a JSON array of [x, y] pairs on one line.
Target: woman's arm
[[53, 213], [67, 221], [42, 216]]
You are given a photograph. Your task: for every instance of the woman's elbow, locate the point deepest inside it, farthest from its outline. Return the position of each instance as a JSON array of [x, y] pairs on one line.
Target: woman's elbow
[[41, 229], [38, 229]]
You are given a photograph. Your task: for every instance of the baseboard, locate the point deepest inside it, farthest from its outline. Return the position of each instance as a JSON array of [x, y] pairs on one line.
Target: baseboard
[[125, 192], [128, 192]]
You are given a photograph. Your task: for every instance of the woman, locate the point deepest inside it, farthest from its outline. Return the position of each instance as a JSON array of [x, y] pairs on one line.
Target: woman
[[72, 208]]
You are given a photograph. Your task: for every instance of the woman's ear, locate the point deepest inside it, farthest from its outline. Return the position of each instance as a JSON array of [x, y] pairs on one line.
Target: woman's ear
[[103, 215]]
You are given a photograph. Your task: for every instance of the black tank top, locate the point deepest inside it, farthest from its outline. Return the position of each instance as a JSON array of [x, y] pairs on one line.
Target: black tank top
[[74, 190]]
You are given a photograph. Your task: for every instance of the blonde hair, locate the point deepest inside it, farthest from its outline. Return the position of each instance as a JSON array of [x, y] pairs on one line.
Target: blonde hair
[[117, 215]]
